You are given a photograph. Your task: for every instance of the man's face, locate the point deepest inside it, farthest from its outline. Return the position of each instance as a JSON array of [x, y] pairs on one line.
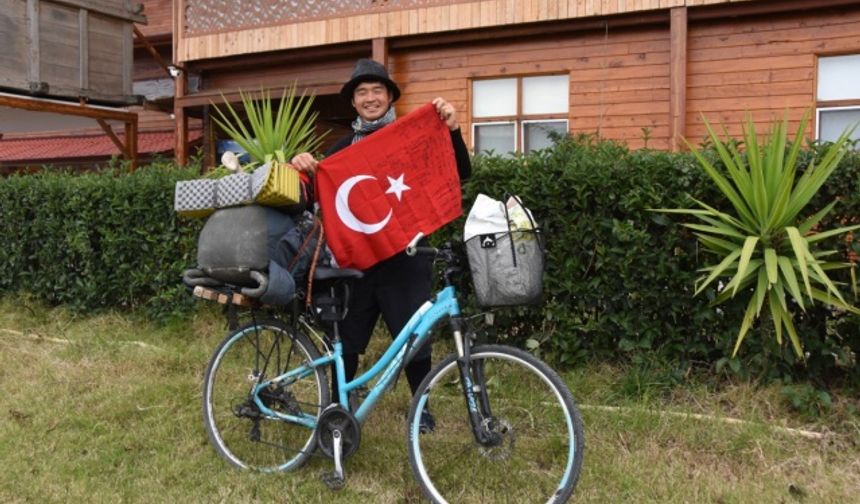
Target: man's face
[[371, 100]]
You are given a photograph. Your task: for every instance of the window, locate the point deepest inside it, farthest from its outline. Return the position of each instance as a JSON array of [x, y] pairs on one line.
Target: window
[[838, 96], [518, 114]]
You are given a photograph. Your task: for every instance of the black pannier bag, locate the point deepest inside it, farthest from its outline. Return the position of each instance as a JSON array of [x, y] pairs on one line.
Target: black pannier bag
[[507, 263], [238, 243], [235, 241]]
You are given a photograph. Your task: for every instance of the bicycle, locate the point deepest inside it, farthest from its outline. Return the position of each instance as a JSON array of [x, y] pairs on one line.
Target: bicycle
[[507, 427]]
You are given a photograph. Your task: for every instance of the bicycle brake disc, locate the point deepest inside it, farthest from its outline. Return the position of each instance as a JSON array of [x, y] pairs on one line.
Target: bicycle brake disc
[[503, 435], [335, 417]]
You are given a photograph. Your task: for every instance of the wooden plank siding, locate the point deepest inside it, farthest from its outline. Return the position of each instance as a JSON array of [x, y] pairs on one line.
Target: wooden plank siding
[[59, 45], [14, 40], [393, 22], [619, 81], [764, 66], [159, 18], [623, 75], [106, 55], [67, 48], [322, 77]]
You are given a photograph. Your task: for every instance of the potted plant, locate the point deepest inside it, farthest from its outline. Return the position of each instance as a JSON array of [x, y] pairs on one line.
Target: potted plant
[[271, 134]]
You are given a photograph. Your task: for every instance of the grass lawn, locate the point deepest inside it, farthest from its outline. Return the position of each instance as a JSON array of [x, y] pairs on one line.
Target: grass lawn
[[107, 409]]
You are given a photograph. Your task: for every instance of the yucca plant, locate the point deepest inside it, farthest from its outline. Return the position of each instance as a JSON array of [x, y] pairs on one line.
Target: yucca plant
[[764, 249], [279, 135]]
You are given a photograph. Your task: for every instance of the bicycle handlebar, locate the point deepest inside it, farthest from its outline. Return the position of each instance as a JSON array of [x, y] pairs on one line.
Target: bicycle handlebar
[[413, 247], [422, 251]]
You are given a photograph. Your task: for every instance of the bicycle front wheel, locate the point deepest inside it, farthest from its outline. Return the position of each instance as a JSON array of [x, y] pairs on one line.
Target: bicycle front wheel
[[237, 427], [534, 442]]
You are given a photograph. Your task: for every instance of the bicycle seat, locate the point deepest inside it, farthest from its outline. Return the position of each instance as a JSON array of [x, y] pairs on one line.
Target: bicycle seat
[[325, 273]]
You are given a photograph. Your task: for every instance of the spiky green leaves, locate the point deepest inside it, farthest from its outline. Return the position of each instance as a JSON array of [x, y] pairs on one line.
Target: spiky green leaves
[[762, 249], [271, 134]]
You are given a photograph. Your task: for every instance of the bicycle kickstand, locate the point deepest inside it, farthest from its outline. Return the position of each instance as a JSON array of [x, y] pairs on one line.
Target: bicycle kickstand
[[337, 479]]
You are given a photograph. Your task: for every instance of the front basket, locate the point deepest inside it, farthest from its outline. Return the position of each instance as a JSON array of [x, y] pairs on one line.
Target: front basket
[[507, 268]]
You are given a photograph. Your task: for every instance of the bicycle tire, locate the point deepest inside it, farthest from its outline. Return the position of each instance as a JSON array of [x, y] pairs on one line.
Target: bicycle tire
[[534, 461], [236, 429]]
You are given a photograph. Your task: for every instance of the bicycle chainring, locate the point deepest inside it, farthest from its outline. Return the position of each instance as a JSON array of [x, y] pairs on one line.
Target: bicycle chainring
[[336, 417]]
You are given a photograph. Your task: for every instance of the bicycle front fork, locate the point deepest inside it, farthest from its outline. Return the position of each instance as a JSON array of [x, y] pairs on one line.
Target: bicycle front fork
[[474, 385]]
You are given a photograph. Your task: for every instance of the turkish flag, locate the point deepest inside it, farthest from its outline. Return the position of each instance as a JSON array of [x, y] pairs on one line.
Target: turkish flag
[[378, 193]]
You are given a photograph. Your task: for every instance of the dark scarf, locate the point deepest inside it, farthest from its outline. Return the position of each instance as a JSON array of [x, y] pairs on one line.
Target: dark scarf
[[362, 128]]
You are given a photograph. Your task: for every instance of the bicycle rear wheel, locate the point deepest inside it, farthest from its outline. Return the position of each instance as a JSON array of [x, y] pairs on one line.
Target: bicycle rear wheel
[[237, 429], [537, 440]]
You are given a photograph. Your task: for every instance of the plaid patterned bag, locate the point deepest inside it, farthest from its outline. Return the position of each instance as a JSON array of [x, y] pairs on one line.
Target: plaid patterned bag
[[273, 184], [194, 198], [234, 190]]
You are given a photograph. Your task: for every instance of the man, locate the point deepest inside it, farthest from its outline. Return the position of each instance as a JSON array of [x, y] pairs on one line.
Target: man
[[397, 286]]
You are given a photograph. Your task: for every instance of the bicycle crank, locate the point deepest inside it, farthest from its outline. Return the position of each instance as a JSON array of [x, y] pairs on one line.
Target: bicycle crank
[[338, 435]]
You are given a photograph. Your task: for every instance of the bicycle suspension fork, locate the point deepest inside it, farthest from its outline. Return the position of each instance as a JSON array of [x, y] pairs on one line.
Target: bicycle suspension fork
[[472, 379]]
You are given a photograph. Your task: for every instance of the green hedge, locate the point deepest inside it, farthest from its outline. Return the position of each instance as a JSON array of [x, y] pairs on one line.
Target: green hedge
[[619, 279], [97, 240]]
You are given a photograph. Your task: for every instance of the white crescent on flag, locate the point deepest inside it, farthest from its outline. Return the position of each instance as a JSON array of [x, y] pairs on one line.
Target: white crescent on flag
[[403, 180], [345, 213]]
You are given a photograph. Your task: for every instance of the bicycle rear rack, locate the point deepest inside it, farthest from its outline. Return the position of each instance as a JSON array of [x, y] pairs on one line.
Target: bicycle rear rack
[[224, 298]]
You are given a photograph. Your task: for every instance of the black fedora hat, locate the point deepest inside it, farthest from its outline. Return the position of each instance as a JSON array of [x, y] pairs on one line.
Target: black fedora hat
[[368, 70]]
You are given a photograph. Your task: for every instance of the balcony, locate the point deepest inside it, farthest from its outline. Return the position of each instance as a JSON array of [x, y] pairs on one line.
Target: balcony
[[217, 28]]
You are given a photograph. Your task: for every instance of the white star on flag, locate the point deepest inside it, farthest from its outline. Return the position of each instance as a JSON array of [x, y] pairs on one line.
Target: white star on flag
[[397, 187]]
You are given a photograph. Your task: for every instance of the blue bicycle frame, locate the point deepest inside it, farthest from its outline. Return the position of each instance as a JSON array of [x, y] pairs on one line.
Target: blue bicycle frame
[[413, 335]]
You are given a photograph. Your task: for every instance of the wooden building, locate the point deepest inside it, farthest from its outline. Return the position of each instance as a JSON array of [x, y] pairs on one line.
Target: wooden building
[[641, 71], [82, 81], [59, 57]]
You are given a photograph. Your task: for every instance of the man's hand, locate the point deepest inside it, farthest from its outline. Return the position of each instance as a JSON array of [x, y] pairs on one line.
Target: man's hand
[[447, 112], [305, 162]]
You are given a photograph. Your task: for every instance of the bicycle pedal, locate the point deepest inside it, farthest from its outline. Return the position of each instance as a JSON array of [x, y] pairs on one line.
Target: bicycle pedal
[[332, 480]]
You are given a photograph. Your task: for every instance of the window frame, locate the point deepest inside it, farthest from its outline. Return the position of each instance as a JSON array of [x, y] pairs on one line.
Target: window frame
[[819, 110], [830, 105], [523, 123], [475, 126], [520, 117]]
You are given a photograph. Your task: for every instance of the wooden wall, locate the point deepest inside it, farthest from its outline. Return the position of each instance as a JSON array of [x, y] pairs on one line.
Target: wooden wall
[[328, 74], [151, 120], [397, 20], [14, 39], [68, 49], [159, 17], [764, 65], [619, 81], [111, 48], [59, 49], [146, 67]]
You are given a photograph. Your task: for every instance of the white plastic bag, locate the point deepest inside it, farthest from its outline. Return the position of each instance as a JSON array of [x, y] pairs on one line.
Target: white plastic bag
[[487, 216]]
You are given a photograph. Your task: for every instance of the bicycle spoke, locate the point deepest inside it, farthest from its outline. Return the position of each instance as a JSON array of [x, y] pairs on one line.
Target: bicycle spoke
[[289, 359], [526, 455], [241, 434]]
